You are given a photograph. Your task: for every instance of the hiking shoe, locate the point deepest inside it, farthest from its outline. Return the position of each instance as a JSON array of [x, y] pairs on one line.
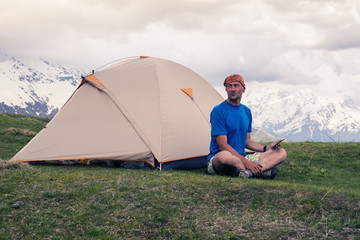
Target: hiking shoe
[[242, 173], [268, 174], [245, 174]]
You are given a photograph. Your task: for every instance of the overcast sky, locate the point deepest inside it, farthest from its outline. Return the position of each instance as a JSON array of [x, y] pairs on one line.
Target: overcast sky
[[278, 43]]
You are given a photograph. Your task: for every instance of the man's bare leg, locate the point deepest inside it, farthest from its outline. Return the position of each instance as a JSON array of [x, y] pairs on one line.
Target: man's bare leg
[[272, 158], [225, 163]]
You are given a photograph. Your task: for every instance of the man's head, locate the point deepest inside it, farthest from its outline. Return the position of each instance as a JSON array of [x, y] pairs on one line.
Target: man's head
[[235, 87], [234, 78]]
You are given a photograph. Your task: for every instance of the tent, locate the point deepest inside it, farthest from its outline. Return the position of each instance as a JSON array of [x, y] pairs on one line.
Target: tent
[[144, 110]]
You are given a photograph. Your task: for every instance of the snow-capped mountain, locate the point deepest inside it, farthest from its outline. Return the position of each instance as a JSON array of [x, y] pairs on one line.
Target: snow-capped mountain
[[35, 87], [304, 116]]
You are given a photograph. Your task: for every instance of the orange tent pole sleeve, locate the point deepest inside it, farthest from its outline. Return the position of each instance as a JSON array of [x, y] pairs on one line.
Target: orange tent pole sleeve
[[188, 91], [93, 79]]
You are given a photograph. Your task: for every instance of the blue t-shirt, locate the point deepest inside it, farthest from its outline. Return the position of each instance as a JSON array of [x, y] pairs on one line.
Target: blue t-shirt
[[232, 121]]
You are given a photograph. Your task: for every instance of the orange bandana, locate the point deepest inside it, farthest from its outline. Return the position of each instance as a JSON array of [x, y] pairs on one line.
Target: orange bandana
[[234, 78]]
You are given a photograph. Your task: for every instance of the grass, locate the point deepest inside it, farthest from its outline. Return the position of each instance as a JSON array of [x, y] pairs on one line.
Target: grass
[[16, 131], [316, 194]]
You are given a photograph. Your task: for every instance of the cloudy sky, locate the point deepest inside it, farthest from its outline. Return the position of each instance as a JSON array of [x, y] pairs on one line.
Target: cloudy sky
[[285, 44]]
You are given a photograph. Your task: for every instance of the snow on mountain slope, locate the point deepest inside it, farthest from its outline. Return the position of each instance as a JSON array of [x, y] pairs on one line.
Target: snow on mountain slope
[[39, 88], [304, 116], [35, 86]]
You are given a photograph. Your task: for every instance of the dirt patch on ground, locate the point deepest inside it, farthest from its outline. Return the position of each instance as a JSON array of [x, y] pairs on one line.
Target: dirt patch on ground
[[5, 164], [19, 132]]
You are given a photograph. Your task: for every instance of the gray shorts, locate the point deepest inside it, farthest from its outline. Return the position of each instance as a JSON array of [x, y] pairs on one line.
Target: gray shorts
[[254, 157]]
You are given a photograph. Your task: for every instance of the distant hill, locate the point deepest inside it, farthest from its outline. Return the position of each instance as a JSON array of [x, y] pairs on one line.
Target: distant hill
[[17, 130], [263, 136]]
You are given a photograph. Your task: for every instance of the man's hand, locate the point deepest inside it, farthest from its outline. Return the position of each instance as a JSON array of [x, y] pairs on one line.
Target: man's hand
[[275, 144], [254, 167]]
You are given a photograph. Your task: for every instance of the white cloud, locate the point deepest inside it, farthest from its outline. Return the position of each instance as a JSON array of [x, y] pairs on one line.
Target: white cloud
[[306, 43]]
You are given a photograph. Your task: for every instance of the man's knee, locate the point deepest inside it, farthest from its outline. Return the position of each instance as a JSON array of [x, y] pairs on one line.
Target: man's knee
[[223, 157], [223, 163]]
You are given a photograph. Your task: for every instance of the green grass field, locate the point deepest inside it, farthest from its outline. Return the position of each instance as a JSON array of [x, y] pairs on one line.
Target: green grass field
[[316, 195]]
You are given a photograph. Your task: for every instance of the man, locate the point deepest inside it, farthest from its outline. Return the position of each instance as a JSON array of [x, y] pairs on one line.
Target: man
[[231, 125]]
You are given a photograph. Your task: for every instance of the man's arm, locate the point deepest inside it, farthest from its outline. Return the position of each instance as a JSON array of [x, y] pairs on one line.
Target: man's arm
[[255, 146], [252, 145], [254, 167]]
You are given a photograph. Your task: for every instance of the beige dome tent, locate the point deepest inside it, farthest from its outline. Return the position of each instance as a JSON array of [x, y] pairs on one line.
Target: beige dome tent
[[141, 109]]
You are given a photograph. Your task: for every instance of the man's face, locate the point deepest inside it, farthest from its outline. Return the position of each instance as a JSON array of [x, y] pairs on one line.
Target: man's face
[[234, 91]]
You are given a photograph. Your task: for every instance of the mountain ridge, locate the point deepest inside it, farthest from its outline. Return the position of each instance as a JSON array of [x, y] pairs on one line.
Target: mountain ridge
[[32, 86], [305, 116], [38, 87]]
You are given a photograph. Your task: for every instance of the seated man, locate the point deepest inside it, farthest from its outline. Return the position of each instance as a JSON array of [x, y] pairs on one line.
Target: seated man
[[231, 125]]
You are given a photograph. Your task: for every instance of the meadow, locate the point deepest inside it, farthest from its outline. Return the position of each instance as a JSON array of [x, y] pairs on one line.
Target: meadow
[[315, 195]]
